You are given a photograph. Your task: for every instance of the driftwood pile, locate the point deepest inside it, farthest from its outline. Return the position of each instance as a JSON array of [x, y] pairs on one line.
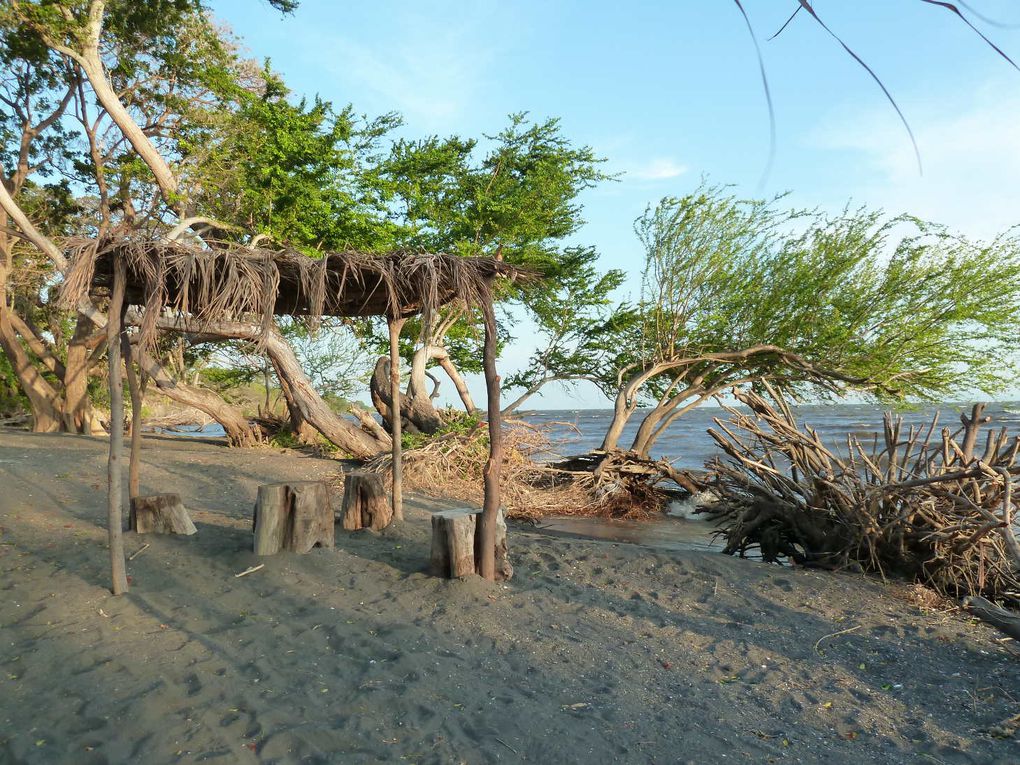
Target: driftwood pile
[[932, 505]]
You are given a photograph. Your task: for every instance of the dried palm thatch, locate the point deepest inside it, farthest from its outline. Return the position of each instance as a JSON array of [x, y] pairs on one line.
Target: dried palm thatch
[[918, 504], [228, 281]]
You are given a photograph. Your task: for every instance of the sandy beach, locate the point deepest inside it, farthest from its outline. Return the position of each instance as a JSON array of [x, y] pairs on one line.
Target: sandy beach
[[595, 652]]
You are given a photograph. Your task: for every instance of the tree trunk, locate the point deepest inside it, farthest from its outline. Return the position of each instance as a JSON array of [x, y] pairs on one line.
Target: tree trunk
[[458, 381], [621, 415], [417, 404], [115, 488], [346, 435], [396, 446], [239, 431], [43, 399], [77, 407], [93, 67], [990, 613], [134, 464], [379, 389], [486, 544], [298, 424], [643, 439]]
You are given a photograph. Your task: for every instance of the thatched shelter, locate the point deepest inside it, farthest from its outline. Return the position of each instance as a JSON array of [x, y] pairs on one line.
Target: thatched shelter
[[222, 282]]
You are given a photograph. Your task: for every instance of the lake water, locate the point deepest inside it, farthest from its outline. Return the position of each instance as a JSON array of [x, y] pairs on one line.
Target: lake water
[[688, 445]]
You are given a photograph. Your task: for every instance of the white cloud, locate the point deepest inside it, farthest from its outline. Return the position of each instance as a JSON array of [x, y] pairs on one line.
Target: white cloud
[[971, 161], [432, 70], [658, 169]]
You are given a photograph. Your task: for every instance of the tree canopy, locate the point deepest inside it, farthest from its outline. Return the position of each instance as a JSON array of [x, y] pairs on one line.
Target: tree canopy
[[739, 291]]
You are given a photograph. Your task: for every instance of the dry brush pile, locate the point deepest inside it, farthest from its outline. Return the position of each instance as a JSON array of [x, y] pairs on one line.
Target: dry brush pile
[[933, 505], [451, 466]]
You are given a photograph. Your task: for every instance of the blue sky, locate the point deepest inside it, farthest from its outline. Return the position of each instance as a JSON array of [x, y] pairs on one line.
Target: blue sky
[[670, 91]]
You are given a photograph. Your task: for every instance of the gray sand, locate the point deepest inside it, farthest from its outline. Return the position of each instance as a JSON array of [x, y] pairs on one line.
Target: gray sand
[[595, 652]]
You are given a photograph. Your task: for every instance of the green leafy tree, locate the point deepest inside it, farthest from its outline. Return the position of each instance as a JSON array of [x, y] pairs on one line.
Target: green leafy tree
[[513, 198], [580, 326], [737, 292]]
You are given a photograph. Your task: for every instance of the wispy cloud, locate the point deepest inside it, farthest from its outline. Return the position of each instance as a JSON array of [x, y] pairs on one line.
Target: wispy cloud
[[971, 163], [658, 169], [431, 70]]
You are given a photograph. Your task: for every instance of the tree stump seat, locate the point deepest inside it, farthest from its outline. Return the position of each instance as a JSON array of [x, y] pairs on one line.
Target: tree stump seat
[[292, 516], [456, 540], [365, 504], [159, 514]]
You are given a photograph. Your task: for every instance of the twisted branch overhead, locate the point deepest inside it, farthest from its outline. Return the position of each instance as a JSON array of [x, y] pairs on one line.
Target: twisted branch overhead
[[238, 282]]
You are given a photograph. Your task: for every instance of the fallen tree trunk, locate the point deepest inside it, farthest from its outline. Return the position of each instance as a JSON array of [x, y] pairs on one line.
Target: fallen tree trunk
[[240, 432], [991, 614], [354, 440], [358, 442]]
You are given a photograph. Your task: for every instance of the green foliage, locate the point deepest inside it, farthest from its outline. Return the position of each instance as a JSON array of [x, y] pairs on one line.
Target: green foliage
[[517, 201], [222, 379], [455, 423], [300, 172], [579, 323], [898, 307], [12, 400], [512, 196]]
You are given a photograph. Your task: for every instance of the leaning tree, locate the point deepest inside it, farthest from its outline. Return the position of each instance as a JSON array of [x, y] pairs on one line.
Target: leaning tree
[[740, 292]]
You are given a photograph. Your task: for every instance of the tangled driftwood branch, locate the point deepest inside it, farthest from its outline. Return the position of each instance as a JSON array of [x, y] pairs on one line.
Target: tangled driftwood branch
[[919, 502]]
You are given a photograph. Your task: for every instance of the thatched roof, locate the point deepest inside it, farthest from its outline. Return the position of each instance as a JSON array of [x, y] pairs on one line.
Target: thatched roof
[[231, 282]]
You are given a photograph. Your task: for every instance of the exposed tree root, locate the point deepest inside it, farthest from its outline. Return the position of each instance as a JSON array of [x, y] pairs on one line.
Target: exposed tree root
[[919, 504]]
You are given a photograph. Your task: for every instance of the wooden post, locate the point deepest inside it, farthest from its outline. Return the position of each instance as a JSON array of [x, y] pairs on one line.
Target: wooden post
[[136, 414], [395, 413], [490, 508], [114, 521]]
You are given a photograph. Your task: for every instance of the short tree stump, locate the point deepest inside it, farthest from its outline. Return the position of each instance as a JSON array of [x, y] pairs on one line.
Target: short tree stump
[[292, 516], [366, 505], [455, 541], [160, 514]]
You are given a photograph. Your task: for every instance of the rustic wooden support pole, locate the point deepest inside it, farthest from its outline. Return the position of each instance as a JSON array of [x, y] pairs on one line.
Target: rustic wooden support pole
[[160, 514], [118, 569], [136, 414], [395, 326], [486, 545], [365, 505], [292, 516]]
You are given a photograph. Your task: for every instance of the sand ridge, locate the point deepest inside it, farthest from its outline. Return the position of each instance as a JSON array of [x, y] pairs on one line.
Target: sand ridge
[[594, 652]]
